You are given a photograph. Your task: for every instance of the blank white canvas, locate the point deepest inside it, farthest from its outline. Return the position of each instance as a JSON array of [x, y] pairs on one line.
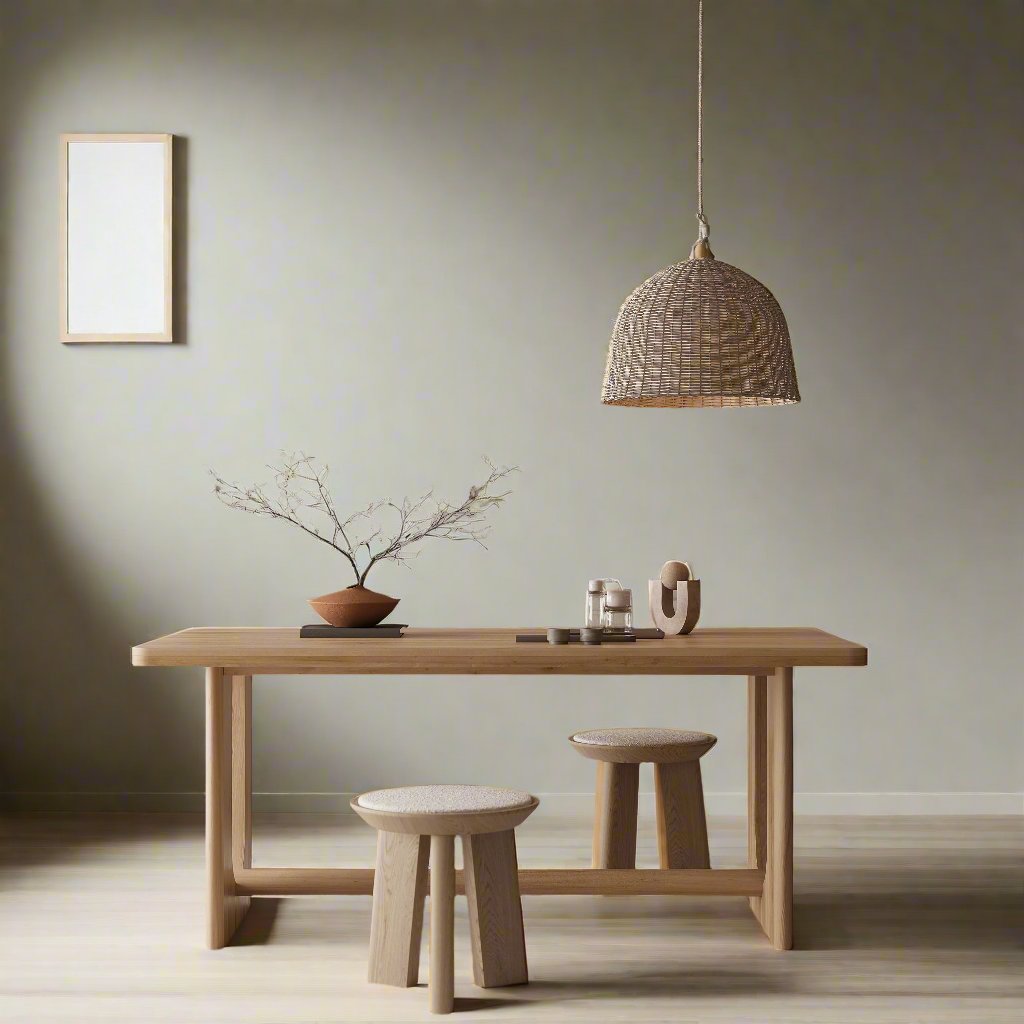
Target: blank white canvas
[[115, 238]]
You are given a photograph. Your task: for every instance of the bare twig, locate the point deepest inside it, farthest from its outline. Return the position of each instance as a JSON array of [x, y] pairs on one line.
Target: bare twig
[[301, 486]]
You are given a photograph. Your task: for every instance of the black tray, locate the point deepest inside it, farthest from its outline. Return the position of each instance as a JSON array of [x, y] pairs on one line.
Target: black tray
[[608, 638], [322, 631]]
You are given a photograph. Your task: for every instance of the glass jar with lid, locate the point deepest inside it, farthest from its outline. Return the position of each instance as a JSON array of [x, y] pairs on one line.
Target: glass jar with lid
[[618, 611], [593, 614]]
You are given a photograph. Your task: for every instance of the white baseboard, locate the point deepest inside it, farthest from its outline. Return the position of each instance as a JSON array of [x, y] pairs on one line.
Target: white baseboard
[[565, 804]]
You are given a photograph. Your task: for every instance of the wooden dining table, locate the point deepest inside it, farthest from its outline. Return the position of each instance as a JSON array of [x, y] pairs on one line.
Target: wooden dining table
[[766, 656]]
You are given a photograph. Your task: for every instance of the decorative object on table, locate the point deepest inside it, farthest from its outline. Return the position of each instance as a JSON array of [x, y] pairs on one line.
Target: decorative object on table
[[301, 488], [574, 636], [700, 332], [353, 606], [115, 237], [593, 613], [591, 637], [675, 599], [618, 611], [679, 793], [556, 635], [386, 631]]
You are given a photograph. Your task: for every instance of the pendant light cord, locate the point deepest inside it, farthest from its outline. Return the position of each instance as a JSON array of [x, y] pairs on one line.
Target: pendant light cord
[[705, 231]]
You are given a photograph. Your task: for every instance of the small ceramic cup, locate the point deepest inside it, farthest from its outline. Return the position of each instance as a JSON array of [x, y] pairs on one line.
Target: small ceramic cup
[[591, 637], [558, 636]]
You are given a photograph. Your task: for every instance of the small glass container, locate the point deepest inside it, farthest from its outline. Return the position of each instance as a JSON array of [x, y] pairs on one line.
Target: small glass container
[[618, 611], [593, 615]]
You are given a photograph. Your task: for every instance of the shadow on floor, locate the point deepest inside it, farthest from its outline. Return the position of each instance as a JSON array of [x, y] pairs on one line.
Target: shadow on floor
[[257, 928], [684, 981], [934, 920], [33, 839]]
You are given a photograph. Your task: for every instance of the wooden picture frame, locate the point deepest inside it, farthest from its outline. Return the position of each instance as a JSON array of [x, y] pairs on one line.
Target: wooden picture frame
[[116, 238]]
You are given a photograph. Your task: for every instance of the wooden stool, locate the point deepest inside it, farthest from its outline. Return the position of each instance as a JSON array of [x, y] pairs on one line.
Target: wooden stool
[[682, 826], [417, 823]]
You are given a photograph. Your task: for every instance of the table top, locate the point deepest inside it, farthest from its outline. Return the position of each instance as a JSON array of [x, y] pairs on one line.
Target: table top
[[712, 651]]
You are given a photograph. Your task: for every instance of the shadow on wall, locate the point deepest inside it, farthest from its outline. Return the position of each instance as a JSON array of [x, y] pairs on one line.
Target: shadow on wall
[[64, 656], [45, 656], [544, 128], [179, 241]]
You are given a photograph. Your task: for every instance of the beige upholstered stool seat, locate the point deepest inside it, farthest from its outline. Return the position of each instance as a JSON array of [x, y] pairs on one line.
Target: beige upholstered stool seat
[[452, 810], [416, 830], [444, 799], [643, 745]]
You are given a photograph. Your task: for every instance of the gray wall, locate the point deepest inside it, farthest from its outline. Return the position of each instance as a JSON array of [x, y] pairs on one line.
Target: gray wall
[[405, 229]]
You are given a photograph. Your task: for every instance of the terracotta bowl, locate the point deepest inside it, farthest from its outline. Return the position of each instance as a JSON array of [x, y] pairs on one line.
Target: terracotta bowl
[[354, 606]]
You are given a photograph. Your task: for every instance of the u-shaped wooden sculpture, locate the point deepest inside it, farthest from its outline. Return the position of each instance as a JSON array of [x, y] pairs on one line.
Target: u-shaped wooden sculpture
[[675, 599]]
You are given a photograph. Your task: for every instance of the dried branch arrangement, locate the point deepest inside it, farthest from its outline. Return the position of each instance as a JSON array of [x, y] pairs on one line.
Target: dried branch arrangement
[[300, 496]]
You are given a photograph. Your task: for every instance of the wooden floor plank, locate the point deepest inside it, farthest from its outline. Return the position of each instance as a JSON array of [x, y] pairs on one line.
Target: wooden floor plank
[[899, 920]]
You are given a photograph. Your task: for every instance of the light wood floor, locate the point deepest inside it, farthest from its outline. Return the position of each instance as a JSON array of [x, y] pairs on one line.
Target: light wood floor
[[897, 920]]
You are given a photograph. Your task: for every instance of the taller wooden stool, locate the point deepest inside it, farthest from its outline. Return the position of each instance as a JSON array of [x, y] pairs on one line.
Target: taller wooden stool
[[417, 823], [679, 794]]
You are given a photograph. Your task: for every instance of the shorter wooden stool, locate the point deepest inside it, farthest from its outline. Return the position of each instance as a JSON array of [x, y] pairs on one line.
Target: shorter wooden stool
[[681, 822], [419, 823]]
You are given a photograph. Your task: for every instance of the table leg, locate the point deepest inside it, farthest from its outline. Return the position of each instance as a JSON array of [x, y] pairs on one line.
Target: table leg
[[777, 910], [224, 909], [757, 781], [241, 772]]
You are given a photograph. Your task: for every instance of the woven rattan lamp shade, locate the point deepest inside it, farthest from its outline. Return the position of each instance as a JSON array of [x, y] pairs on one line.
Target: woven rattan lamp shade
[[700, 333]]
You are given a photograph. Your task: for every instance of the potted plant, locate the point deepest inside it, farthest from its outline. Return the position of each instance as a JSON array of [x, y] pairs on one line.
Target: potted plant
[[300, 496]]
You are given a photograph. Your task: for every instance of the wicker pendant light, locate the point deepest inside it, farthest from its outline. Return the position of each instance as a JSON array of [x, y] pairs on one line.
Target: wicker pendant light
[[700, 332]]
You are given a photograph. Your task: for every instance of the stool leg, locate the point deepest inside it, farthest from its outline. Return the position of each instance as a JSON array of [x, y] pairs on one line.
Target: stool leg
[[595, 851], [442, 924], [399, 888], [682, 825], [491, 875], [615, 825]]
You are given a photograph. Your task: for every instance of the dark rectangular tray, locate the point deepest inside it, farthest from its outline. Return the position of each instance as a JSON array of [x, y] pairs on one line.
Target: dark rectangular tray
[[609, 638], [322, 631]]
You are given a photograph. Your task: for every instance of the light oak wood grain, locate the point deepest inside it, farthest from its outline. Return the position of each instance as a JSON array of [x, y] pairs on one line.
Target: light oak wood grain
[[491, 877], [495, 652], [777, 912], [406, 839], [616, 823], [680, 817], [241, 772], [442, 924], [679, 800], [534, 881], [396, 926], [900, 921], [757, 779], [225, 907], [229, 885], [595, 826]]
